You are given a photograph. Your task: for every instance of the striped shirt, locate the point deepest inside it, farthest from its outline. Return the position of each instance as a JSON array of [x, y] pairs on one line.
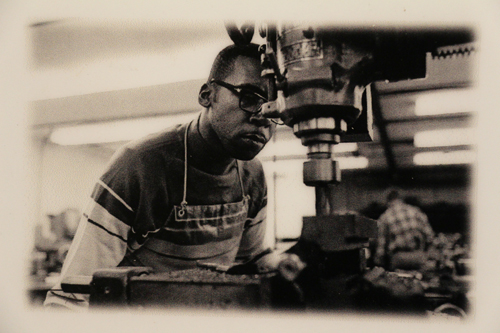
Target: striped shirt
[[135, 196]]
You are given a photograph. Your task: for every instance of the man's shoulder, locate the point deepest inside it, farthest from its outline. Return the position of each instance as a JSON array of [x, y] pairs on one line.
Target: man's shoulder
[[153, 148], [170, 137], [390, 214]]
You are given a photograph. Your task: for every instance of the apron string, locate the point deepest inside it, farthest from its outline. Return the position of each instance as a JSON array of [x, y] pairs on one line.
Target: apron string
[[241, 180], [184, 194]]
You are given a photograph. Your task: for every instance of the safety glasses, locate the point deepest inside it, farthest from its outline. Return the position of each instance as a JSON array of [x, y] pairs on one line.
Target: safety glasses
[[249, 101]]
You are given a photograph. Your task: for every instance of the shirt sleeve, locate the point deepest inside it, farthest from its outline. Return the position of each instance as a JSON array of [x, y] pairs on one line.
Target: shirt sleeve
[[100, 241]]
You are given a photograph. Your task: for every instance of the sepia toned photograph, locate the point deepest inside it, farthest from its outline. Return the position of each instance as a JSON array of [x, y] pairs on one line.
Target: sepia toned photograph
[[186, 169]]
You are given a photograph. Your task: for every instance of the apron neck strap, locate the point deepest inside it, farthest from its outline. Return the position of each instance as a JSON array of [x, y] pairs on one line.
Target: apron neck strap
[[184, 192], [241, 180]]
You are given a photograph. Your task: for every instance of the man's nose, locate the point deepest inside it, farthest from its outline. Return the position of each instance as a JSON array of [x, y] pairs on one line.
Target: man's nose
[[259, 119]]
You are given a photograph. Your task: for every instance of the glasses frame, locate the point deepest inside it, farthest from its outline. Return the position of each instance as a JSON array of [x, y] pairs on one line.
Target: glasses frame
[[239, 92]]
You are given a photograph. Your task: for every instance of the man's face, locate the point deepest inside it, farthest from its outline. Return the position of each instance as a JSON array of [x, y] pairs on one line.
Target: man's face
[[242, 134]]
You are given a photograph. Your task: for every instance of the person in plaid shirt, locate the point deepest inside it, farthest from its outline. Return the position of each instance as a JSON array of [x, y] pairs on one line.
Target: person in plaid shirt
[[403, 228]]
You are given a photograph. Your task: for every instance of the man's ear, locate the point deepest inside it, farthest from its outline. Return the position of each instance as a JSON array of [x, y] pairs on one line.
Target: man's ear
[[204, 96]]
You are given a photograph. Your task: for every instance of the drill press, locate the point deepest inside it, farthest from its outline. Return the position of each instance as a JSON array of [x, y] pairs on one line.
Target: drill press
[[319, 85]]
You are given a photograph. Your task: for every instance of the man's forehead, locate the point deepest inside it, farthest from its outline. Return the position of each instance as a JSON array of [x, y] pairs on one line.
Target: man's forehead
[[247, 72]]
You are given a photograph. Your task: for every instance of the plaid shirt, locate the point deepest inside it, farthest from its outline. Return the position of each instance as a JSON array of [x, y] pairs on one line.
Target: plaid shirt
[[402, 227]]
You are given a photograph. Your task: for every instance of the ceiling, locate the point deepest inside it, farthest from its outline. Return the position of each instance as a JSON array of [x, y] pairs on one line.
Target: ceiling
[[92, 71]]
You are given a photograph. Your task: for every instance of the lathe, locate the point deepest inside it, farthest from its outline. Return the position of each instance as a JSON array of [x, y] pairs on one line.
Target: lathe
[[319, 83]]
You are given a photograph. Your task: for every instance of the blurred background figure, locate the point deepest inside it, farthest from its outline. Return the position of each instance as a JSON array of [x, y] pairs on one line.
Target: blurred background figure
[[53, 237], [404, 235], [52, 240]]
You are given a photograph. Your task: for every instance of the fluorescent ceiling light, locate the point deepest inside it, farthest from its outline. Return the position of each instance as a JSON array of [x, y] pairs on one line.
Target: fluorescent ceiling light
[[115, 131], [345, 147], [352, 162], [443, 138], [446, 102], [444, 158]]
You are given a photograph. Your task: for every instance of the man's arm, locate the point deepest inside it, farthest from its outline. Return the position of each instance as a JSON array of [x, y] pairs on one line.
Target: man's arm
[[252, 240], [102, 235], [100, 242], [253, 255]]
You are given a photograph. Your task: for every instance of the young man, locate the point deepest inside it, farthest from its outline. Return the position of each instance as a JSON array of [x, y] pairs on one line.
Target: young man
[[191, 195], [404, 235]]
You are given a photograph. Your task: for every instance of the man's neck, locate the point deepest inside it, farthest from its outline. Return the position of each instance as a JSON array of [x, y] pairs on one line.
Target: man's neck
[[204, 149]]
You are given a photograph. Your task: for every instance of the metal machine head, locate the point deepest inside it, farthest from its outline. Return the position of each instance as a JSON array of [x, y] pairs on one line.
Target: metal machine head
[[319, 78]]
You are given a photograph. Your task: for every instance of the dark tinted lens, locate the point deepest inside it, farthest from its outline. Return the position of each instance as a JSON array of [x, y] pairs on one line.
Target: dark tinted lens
[[250, 102]]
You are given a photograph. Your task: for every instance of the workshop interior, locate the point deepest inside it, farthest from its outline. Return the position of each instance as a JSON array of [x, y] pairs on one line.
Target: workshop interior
[[363, 109]]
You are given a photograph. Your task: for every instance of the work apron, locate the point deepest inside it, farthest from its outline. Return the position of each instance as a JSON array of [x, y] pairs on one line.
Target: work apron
[[204, 233]]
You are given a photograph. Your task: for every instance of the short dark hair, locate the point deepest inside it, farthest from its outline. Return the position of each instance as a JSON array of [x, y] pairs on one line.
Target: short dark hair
[[224, 62]]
